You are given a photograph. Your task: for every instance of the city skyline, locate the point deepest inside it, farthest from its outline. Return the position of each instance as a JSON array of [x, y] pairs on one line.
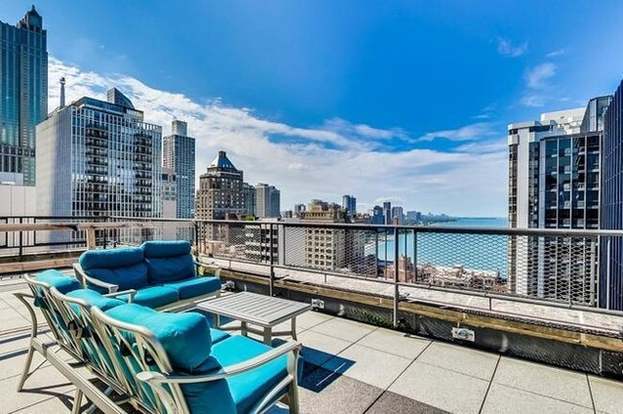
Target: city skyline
[[418, 155], [424, 158]]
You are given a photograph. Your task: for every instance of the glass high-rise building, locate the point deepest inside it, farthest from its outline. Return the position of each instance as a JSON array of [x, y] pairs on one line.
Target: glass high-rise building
[[178, 153], [611, 254], [268, 201], [554, 182], [24, 93], [349, 203], [98, 158]]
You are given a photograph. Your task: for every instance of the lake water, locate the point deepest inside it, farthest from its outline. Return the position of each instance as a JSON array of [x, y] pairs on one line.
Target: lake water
[[474, 251]]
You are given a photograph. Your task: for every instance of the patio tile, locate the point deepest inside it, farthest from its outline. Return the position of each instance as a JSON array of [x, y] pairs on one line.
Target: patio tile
[[10, 319], [544, 380], [344, 329], [457, 358], [607, 394], [328, 392], [396, 343], [45, 383], [397, 404], [13, 364], [503, 399], [53, 405], [319, 348], [368, 365], [305, 321], [441, 388]]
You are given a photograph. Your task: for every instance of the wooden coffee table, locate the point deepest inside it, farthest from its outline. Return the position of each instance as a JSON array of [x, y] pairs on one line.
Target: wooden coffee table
[[255, 309]]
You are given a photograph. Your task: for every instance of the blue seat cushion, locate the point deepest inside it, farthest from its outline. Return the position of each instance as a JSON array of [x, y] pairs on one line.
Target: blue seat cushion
[[196, 286], [152, 296], [168, 261], [59, 280], [184, 336], [94, 298], [237, 394], [217, 335], [124, 266]]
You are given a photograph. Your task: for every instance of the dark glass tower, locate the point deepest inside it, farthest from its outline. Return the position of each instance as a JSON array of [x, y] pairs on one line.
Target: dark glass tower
[[179, 155], [24, 92], [611, 263]]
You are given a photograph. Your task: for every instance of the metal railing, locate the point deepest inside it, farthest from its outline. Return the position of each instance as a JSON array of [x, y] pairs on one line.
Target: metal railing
[[559, 268]]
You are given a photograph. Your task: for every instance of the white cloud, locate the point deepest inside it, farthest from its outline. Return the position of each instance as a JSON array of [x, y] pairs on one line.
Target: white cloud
[[507, 48], [533, 100], [335, 158], [537, 77], [555, 53], [465, 133]]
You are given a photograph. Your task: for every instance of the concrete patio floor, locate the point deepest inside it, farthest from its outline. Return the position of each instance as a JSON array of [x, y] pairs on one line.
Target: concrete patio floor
[[351, 367]]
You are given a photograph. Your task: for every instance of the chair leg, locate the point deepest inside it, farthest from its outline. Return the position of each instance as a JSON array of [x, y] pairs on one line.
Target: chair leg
[[293, 398], [26, 372], [77, 402]]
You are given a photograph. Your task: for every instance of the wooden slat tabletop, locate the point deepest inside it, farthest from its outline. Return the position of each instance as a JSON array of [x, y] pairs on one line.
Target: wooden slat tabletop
[[255, 308]]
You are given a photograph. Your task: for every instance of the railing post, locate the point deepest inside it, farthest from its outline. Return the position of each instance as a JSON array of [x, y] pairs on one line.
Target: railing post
[[414, 255], [21, 246], [196, 237], [396, 270], [594, 264], [272, 268], [608, 273]]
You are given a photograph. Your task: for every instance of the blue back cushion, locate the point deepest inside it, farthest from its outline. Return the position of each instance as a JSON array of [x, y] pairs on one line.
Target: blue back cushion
[[54, 278], [60, 281], [124, 266], [94, 298], [184, 336], [168, 261]]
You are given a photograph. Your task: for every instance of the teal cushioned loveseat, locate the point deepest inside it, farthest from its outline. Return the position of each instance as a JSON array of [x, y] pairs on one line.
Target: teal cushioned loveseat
[[158, 274]]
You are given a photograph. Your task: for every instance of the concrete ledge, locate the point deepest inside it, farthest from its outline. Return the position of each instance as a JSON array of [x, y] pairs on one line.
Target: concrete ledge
[[562, 346]]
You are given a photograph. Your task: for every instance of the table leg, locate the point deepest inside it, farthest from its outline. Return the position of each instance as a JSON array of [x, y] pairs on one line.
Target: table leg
[[243, 328], [268, 334], [293, 328]]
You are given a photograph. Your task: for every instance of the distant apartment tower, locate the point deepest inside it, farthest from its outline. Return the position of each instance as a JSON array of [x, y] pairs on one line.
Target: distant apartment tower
[[299, 209], [248, 194], [98, 158], [611, 263], [554, 182], [377, 215], [178, 153], [169, 193], [24, 95], [397, 215], [387, 212], [267, 201], [325, 248], [220, 191], [349, 204]]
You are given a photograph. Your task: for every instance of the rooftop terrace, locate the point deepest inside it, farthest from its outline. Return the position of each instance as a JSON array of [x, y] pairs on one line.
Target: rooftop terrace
[[383, 342], [351, 367]]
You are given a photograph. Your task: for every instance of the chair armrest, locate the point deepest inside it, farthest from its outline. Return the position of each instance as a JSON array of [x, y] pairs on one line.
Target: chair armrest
[[225, 372], [214, 266], [85, 279], [130, 292]]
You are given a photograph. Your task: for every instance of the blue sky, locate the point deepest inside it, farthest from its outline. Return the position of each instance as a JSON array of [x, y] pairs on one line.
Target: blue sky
[[386, 100]]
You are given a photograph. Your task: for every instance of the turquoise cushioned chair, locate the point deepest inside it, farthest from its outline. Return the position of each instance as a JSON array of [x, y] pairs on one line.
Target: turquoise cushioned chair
[[191, 349], [239, 393], [170, 264]]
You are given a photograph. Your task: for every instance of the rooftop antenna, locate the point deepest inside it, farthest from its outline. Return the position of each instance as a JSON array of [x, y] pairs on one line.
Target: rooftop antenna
[[62, 81]]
